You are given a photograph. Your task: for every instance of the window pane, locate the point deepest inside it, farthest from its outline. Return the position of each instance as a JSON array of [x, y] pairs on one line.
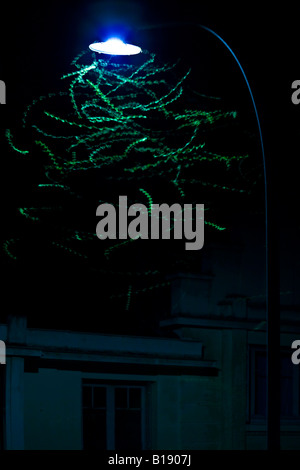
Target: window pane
[[128, 429], [286, 367], [286, 387], [260, 383], [99, 397], [112, 416], [87, 397], [261, 364], [134, 398], [121, 397], [94, 429]]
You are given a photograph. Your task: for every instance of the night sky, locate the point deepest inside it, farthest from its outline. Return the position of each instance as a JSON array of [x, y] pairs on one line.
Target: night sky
[[39, 40]]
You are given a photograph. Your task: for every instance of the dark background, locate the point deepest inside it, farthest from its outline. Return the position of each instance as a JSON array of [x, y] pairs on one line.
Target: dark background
[[39, 40]]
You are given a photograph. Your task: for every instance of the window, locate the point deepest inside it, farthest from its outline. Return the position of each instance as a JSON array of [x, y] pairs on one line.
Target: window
[[114, 416], [289, 385]]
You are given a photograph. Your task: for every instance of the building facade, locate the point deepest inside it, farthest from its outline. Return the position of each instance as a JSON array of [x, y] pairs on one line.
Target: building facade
[[200, 384]]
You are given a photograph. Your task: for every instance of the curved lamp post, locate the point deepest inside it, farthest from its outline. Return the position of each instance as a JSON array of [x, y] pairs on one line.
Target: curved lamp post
[[272, 305]]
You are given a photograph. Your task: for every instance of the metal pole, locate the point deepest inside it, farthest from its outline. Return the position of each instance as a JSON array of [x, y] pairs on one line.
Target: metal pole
[[272, 285]]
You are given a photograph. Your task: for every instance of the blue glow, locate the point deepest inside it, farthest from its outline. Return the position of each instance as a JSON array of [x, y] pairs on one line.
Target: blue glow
[[115, 46]]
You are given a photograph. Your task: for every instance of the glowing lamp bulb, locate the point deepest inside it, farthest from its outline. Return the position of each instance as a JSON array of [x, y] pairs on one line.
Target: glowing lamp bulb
[[115, 46]]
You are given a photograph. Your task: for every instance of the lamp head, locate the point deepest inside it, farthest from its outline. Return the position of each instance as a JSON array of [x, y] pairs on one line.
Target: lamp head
[[115, 46]]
